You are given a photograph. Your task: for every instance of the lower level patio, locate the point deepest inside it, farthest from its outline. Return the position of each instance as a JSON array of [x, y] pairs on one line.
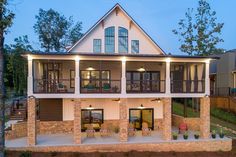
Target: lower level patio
[[155, 142]]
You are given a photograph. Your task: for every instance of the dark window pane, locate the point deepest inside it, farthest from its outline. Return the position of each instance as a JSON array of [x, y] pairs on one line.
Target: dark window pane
[[123, 40], [135, 46], [110, 40]]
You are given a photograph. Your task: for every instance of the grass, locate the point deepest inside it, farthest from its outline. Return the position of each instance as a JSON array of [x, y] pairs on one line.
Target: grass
[[178, 109], [223, 115]]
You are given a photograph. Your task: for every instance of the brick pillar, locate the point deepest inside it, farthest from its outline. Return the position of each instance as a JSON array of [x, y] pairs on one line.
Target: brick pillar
[[205, 117], [31, 123], [167, 118], [123, 121], [77, 122]]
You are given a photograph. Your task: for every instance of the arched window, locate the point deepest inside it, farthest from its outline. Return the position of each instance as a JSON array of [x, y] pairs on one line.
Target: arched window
[[123, 40], [110, 40]]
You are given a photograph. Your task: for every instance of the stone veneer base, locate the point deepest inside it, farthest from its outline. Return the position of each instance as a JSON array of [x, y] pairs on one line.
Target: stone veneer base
[[176, 146]]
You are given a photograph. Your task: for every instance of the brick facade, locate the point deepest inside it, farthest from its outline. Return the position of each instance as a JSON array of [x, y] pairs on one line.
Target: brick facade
[[77, 122], [123, 121], [205, 117], [167, 118], [31, 132], [192, 123]]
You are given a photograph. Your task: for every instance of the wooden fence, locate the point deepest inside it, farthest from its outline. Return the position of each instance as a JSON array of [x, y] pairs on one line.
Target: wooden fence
[[228, 103]]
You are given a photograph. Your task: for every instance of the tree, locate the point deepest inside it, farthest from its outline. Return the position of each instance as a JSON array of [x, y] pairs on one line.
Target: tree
[[199, 31], [75, 33], [55, 31], [51, 28], [15, 74], [6, 19]]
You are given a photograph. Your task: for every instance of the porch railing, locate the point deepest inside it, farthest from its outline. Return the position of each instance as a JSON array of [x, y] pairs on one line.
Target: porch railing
[[187, 86], [145, 86], [100, 86], [54, 86]]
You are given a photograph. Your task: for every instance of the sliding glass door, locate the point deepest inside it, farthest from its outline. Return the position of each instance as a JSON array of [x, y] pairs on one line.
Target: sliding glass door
[[139, 116], [92, 116]]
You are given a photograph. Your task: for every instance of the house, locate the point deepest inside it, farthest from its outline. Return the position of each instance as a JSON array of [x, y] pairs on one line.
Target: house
[[117, 75], [223, 74]]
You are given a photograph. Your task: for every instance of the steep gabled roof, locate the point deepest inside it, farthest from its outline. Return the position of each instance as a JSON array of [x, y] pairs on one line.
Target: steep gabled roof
[[104, 17]]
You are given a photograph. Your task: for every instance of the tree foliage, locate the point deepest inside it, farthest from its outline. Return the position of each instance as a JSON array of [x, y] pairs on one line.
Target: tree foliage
[[55, 31], [199, 31], [16, 76]]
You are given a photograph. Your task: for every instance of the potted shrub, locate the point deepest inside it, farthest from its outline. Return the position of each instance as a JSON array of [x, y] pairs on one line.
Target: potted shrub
[[196, 135], [213, 134], [221, 134], [185, 135], [175, 136]]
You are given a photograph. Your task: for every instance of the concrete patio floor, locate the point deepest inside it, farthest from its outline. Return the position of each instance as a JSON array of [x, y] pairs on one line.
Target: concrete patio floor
[[67, 139]]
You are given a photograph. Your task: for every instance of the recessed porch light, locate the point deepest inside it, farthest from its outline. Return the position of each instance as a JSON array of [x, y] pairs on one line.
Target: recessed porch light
[[90, 68], [141, 69]]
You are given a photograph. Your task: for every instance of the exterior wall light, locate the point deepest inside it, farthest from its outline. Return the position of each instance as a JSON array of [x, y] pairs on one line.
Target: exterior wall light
[[90, 107], [141, 106], [77, 58], [123, 59], [168, 60]]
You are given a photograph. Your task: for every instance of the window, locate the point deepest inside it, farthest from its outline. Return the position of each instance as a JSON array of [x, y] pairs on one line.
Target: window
[[186, 107], [123, 40], [92, 116], [110, 40], [97, 45], [135, 46]]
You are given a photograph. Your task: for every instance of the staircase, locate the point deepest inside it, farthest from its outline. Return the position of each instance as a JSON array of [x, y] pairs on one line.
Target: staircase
[[18, 114]]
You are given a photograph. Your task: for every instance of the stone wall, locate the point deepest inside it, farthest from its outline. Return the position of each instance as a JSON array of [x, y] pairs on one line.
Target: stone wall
[[192, 123], [158, 124], [174, 146], [48, 127]]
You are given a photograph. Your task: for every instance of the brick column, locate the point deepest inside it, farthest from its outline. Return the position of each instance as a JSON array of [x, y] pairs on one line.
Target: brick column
[[205, 117], [123, 121], [167, 118], [31, 123], [77, 122]]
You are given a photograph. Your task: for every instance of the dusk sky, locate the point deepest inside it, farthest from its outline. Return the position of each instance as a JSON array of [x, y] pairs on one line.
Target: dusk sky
[[157, 17]]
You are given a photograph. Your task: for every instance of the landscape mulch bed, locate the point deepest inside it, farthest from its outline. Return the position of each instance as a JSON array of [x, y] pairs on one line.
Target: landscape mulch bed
[[127, 154]]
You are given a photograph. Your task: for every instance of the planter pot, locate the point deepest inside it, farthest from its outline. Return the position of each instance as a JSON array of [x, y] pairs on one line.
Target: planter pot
[[185, 137], [196, 136], [213, 135], [222, 135], [175, 137]]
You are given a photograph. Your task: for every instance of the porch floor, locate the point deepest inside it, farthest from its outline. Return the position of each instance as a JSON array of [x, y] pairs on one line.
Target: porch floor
[[67, 139]]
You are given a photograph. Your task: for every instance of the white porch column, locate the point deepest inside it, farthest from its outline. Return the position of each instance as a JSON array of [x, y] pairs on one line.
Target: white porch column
[[207, 78], [77, 76], [30, 76], [123, 77], [167, 76]]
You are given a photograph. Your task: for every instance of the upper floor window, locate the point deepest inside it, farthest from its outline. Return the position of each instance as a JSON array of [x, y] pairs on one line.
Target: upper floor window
[[97, 43], [134, 46], [123, 40], [110, 39]]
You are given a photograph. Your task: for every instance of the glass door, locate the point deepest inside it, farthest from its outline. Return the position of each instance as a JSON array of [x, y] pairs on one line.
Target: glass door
[[139, 116]]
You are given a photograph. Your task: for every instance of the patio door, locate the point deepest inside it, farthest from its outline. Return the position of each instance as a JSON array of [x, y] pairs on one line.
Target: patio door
[[138, 116]]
